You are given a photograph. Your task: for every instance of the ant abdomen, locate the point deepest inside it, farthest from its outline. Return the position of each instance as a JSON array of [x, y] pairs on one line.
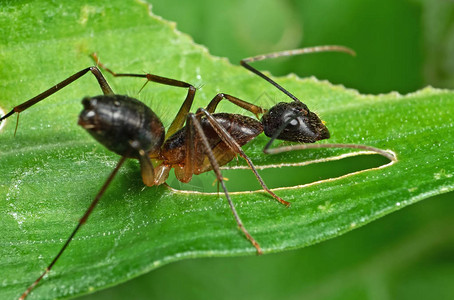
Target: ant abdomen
[[122, 124]]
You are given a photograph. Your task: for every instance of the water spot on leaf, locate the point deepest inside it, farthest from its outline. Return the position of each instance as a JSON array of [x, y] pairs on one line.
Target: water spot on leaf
[[442, 174]]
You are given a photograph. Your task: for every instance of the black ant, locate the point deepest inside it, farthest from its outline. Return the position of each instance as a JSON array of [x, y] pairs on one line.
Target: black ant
[[194, 143]]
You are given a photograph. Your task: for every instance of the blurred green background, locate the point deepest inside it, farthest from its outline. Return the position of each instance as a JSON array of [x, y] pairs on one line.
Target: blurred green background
[[402, 46]]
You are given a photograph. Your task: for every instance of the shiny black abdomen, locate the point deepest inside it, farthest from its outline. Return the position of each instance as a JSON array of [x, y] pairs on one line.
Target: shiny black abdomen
[[123, 124]]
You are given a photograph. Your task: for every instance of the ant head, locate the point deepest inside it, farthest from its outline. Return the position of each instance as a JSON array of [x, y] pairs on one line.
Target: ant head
[[294, 122]]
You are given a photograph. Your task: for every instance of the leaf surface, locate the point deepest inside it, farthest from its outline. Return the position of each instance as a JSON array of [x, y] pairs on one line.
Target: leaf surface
[[52, 169]]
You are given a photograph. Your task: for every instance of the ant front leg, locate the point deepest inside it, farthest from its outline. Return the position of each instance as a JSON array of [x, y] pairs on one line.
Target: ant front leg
[[94, 70], [180, 118], [236, 148]]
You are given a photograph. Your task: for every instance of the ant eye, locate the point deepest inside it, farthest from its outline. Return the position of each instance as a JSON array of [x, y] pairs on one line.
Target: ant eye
[[297, 125], [301, 125], [293, 123]]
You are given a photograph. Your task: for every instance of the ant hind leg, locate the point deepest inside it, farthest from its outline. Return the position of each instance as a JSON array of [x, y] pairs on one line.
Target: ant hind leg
[[81, 222]]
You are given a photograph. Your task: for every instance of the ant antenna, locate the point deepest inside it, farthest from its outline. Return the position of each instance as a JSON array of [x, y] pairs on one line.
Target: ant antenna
[[333, 48], [269, 150]]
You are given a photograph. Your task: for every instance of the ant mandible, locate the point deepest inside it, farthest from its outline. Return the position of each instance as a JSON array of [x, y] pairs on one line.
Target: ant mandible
[[194, 143]]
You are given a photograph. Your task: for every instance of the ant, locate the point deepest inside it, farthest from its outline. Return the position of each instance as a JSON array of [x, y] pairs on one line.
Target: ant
[[195, 142]]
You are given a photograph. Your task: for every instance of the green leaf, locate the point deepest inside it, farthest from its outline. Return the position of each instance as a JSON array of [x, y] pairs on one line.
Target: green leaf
[[52, 169], [405, 255]]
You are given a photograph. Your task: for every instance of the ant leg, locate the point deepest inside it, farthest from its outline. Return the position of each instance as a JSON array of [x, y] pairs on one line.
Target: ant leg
[[256, 110], [269, 150], [193, 122], [245, 62], [146, 166], [227, 138], [81, 222], [94, 70], [180, 118], [182, 113], [184, 173]]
